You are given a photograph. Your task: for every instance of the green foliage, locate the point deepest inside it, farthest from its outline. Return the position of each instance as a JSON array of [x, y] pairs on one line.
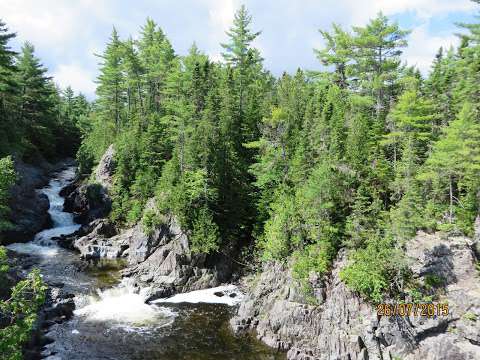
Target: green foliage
[[152, 220], [470, 316], [7, 179], [433, 281], [452, 169], [205, 234], [312, 259], [19, 310], [178, 125], [375, 270]]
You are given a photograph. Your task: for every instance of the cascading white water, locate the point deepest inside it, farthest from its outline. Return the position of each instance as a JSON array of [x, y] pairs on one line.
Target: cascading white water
[[124, 305], [63, 224], [226, 294]]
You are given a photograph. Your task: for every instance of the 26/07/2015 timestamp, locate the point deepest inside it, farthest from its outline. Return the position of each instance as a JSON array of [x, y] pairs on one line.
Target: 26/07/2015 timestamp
[[415, 309]]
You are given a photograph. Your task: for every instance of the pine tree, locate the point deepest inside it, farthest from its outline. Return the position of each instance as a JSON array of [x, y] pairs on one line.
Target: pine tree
[[440, 87], [244, 60], [111, 98], [238, 51], [157, 58], [377, 55], [412, 119], [338, 52], [452, 168], [36, 100], [9, 129], [7, 179]]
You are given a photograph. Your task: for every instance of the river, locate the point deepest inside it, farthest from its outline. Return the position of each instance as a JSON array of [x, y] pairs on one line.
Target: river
[[112, 321]]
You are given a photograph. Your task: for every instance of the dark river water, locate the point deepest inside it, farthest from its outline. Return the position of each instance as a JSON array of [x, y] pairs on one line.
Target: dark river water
[[111, 319]]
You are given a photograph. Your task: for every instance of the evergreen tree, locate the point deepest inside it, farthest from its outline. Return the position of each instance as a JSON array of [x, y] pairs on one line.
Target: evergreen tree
[[377, 56], [440, 87], [412, 119], [9, 129], [36, 101], [7, 179], [452, 168], [111, 98], [157, 56], [338, 52]]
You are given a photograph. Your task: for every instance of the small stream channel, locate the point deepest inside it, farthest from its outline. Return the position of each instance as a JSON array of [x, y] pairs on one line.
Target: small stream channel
[[112, 321]]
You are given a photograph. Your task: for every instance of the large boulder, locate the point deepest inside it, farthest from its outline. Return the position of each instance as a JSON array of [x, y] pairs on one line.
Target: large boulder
[[87, 202], [100, 241], [338, 324], [159, 260]]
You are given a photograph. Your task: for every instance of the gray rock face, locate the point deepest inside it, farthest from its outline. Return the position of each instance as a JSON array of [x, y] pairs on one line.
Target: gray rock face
[[343, 326], [90, 201], [106, 168], [163, 261], [87, 202], [101, 242]]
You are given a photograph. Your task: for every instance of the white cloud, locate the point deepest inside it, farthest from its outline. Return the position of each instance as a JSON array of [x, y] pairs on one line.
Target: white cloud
[[48, 22], [423, 46], [221, 13], [74, 75], [66, 33], [361, 11]]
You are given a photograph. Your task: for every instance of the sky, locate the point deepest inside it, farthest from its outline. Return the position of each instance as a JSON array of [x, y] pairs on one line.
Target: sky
[[67, 34]]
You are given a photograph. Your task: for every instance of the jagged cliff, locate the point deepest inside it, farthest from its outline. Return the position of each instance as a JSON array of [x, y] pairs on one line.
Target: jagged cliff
[[343, 326]]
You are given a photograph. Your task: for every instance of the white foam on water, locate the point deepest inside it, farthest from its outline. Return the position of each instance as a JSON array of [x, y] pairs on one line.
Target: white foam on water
[[122, 305], [207, 296], [34, 249], [44, 237]]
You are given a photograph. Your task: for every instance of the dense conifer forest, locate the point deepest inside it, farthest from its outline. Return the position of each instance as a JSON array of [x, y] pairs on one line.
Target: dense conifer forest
[[359, 154]]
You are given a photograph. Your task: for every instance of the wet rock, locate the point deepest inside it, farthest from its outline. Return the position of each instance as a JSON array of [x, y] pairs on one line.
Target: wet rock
[[90, 201], [99, 227], [29, 209], [158, 293], [58, 307]]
